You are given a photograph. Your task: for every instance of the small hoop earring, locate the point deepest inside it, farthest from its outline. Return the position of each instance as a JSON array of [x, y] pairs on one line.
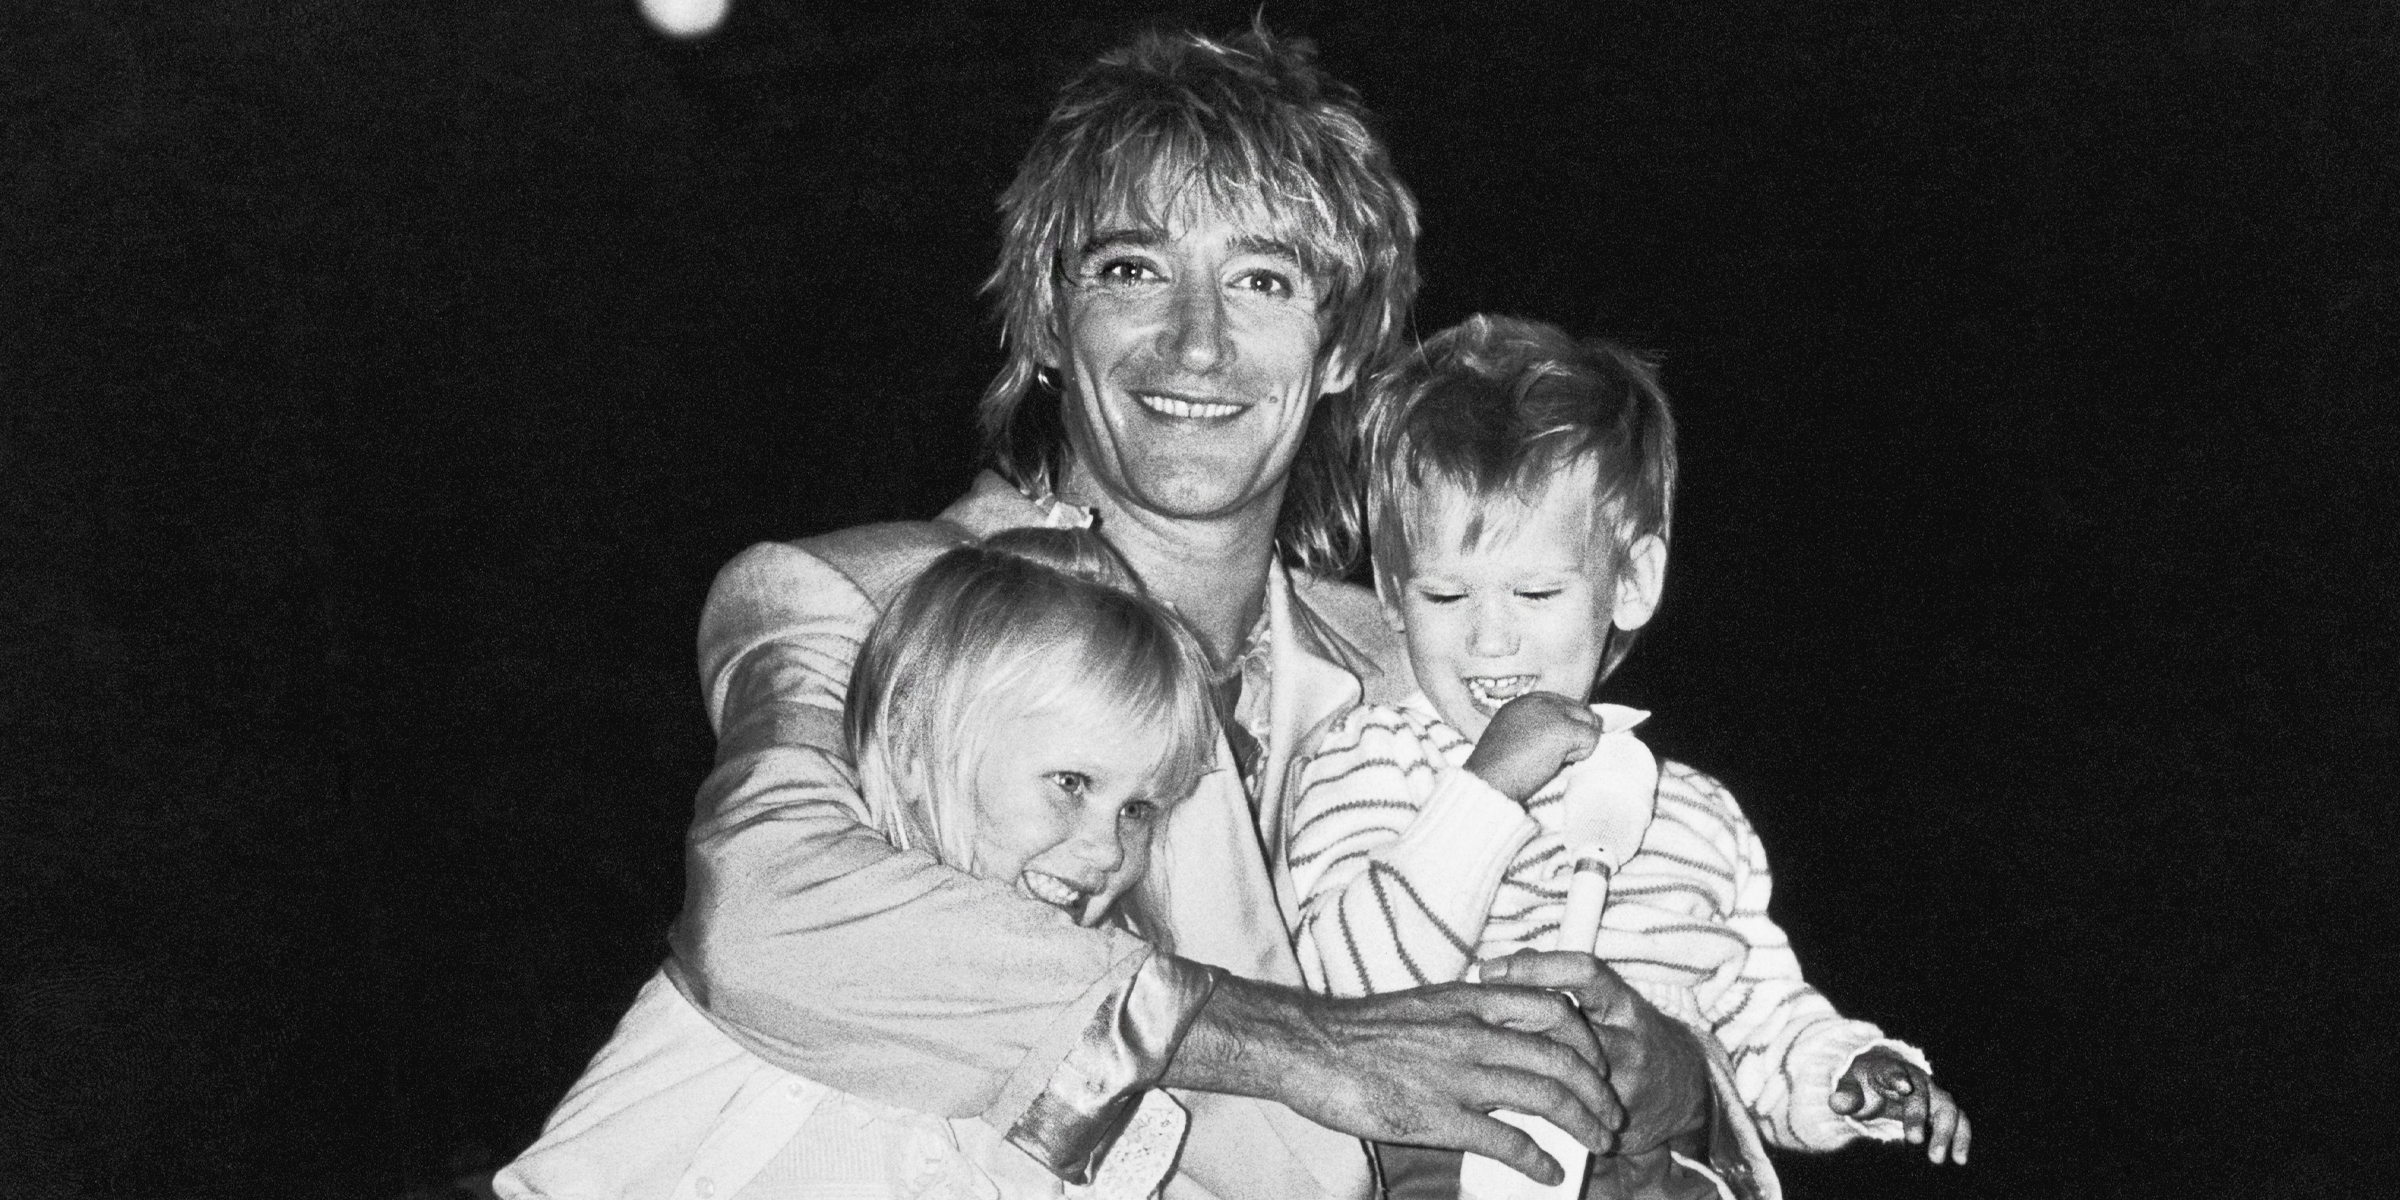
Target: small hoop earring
[[1044, 380]]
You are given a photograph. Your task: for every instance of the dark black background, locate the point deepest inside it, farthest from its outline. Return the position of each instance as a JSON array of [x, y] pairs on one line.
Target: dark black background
[[382, 384]]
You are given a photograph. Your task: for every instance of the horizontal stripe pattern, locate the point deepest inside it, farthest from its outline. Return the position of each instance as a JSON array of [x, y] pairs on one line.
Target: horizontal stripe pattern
[[1408, 870]]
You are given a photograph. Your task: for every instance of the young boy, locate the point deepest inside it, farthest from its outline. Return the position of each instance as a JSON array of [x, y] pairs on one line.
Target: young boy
[[1518, 501]]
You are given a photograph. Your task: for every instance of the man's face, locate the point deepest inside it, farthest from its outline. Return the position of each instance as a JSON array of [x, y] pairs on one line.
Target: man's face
[[1190, 353]]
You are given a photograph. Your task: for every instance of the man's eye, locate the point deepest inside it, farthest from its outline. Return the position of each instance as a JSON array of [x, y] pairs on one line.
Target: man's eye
[[1074, 783], [1268, 283], [1142, 811], [1441, 597], [1541, 594], [1125, 270]]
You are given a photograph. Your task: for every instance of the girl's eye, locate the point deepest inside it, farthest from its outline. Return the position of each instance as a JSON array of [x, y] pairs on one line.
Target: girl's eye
[[1543, 594], [1441, 597], [1073, 783], [1139, 811]]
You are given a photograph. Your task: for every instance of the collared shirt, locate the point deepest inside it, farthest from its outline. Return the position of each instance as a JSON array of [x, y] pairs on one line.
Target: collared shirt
[[1242, 707], [1239, 693]]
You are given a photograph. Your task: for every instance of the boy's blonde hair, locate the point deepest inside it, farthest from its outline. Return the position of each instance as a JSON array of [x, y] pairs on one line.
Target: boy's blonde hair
[[1005, 627], [1497, 407], [1246, 125]]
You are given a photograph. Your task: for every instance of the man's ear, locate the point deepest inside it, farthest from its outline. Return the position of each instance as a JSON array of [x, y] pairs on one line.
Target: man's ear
[[1339, 373], [1639, 585], [1048, 346]]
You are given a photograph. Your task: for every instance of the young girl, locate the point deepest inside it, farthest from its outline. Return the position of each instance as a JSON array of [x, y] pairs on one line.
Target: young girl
[[970, 714]]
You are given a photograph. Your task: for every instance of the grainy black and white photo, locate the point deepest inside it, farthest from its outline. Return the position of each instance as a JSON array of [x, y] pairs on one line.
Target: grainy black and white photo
[[777, 600]]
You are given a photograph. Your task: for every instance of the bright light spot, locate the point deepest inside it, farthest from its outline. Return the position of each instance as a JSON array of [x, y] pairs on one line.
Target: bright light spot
[[684, 18]]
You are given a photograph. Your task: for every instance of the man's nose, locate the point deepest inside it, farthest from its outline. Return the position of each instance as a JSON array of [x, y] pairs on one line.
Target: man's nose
[[1195, 335]]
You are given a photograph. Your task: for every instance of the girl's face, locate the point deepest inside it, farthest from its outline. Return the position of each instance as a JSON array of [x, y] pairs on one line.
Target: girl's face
[[1064, 807]]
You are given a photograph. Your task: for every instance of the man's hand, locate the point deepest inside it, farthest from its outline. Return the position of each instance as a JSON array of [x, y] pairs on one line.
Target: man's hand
[[1656, 1068], [1880, 1083], [1421, 1067], [1529, 740]]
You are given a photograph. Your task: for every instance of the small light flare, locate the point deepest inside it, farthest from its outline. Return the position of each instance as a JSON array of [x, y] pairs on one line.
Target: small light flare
[[684, 18]]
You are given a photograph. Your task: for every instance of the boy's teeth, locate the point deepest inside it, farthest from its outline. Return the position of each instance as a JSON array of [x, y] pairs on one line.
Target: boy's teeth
[[1492, 692], [1053, 890], [1195, 409]]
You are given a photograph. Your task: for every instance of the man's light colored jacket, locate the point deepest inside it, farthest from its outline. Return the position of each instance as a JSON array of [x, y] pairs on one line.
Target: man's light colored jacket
[[819, 947]]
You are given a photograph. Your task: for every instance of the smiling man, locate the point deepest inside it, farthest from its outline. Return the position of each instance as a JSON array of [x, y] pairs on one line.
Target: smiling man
[[1204, 243], [1191, 353]]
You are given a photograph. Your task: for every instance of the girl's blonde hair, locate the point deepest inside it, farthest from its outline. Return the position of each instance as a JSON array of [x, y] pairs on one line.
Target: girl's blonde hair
[[1003, 627]]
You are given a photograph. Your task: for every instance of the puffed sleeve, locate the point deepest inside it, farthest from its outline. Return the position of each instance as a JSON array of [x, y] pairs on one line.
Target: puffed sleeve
[[814, 943]]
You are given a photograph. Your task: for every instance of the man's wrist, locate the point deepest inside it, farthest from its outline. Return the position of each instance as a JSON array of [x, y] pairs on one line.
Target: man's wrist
[[1246, 1040]]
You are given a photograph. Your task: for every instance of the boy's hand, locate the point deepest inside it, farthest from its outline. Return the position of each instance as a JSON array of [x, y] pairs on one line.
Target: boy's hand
[[1880, 1083], [1529, 739]]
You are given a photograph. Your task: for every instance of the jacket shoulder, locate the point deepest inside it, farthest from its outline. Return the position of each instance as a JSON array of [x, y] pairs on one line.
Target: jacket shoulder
[[878, 559], [1345, 604], [1352, 618]]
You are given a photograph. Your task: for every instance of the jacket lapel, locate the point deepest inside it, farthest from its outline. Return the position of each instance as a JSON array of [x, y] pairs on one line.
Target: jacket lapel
[[1307, 691]]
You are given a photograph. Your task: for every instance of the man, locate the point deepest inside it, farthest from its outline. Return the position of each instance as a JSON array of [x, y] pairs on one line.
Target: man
[[1204, 242]]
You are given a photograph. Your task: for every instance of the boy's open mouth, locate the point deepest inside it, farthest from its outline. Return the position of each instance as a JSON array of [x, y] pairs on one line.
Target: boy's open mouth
[[1491, 691]]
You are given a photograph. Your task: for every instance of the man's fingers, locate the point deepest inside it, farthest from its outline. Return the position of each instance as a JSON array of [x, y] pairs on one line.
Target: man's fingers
[[1563, 971], [1545, 1063], [1958, 1144], [1481, 1093], [1520, 1049], [1544, 1012], [1592, 1118], [1511, 1147], [1595, 987]]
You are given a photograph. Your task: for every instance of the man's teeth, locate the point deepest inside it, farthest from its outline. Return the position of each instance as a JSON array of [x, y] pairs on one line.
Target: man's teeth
[[1052, 890], [1190, 409], [1494, 691]]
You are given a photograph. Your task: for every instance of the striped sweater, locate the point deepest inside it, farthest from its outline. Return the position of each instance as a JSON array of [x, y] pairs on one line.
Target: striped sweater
[[1409, 869]]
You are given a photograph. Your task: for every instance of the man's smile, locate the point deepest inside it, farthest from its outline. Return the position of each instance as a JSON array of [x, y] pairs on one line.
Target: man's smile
[[1179, 408]]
